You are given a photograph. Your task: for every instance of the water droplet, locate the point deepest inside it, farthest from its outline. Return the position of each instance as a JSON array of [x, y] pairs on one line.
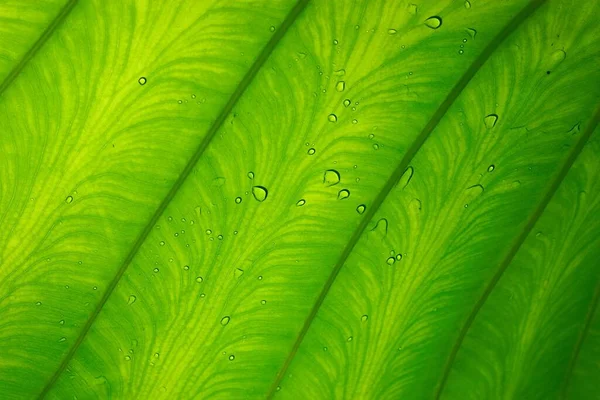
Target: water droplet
[[558, 56], [69, 199], [412, 9], [208, 231], [461, 52], [199, 279], [260, 193], [278, 388], [491, 168], [225, 320], [142, 81], [364, 318], [61, 322], [220, 237], [433, 22], [384, 225], [127, 358], [95, 288], [575, 129], [263, 302], [238, 200], [371, 136], [340, 72], [332, 118], [343, 194], [490, 120], [272, 29], [355, 121], [350, 338], [347, 102], [331, 177], [231, 357], [391, 260], [325, 348], [467, 4], [260, 278], [335, 42], [186, 267], [539, 234], [398, 257], [361, 209], [375, 146], [251, 175], [238, 272], [301, 202], [392, 31], [156, 270], [62, 339], [406, 177], [471, 32], [340, 86], [311, 151]]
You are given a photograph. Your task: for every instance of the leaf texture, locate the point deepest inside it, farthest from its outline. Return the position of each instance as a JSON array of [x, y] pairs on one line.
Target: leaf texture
[[305, 199]]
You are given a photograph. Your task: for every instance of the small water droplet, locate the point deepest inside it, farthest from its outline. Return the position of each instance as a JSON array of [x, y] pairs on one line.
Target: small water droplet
[[238, 200], [364, 318], [343, 194], [491, 168], [490, 120], [231, 357], [575, 129], [392, 31], [391, 260], [260, 278], [558, 56], [350, 338], [186, 267], [61, 322], [199, 279], [335, 42], [225, 320], [278, 388], [69, 199], [238, 272], [412, 9], [332, 118], [251, 175], [62, 339], [263, 302], [331, 177], [208, 231], [311, 151], [361, 209], [260, 193], [461, 52], [347, 102], [325, 348], [467, 4], [340, 86], [127, 358], [156, 270], [538, 234], [300, 202], [272, 29], [472, 33], [142, 81], [398, 257], [375, 146], [433, 22]]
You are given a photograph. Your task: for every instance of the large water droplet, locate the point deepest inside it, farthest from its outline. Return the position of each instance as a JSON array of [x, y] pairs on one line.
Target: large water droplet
[[391, 260], [361, 209], [260, 193], [131, 300], [311, 151], [332, 118], [343, 194], [142, 81], [433, 22], [331, 177], [491, 168], [301, 202], [69, 199], [225, 320], [347, 102], [490, 120], [340, 86]]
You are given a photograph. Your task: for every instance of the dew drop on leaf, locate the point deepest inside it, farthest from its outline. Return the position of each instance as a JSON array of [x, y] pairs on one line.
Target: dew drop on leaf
[[231, 357], [347, 102], [361, 209], [467, 4], [208, 231], [142, 81], [491, 168], [69, 199], [251, 175], [199, 279], [260, 193], [331, 177], [343, 194], [156, 270], [575, 129], [340, 86], [220, 237], [39, 303], [311, 151], [238, 200], [335, 42], [238, 272], [490, 120], [406, 177], [412, 9], [433, 22], [127, 358], [391, 260], [350, 338], [272, 29], [375, 146], [225, 320], [398, 257], [263, 302], [558, 56], [392, 31], [186, 267], [472, 32], [364, 318], [61, 322], [332, 118], [301, 202]]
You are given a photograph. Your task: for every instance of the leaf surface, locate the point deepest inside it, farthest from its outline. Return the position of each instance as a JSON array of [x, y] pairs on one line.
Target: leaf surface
[[303, 200]]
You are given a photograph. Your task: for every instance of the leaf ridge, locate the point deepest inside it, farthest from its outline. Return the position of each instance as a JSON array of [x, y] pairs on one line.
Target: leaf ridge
[[56, 22], [399, 171], [235, 96], [525, 231], [582, 335]]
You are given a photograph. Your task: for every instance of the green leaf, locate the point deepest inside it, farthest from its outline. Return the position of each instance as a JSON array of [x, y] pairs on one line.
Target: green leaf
[[311, 199]]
